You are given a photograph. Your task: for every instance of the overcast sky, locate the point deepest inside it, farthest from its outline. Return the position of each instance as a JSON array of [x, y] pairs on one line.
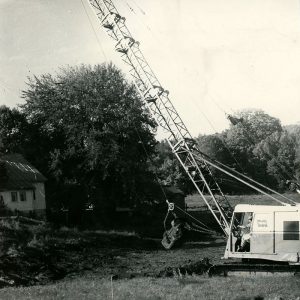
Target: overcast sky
[[214, 56]]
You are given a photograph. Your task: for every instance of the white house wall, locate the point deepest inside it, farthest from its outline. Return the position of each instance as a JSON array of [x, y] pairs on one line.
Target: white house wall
[[40, 202], [18, 205]]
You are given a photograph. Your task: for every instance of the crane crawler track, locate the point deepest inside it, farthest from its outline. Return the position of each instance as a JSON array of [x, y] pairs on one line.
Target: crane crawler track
[[228, 269]]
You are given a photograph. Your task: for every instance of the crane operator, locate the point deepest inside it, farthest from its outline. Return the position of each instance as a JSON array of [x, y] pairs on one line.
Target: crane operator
[[246, 235]]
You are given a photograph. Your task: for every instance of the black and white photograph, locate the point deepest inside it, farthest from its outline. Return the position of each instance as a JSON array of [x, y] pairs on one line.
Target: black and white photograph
[[150, 149]]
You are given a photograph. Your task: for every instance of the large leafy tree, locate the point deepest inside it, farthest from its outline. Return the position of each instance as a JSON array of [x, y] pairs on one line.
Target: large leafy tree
[[279, 151], [251, 128], [215, 147], [168, 169], [98, 130]]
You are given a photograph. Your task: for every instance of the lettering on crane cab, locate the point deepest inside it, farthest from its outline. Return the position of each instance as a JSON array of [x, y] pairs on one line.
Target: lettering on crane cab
[[262, 223]]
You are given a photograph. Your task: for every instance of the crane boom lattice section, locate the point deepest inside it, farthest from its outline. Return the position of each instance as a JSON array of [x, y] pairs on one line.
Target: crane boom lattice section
[[157, 99]]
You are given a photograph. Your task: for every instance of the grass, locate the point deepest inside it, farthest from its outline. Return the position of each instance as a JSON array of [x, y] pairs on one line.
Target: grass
[[195, 201], [190, 287]]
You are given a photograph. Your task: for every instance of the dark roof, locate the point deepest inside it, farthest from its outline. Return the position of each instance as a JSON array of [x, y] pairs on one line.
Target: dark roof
[[173, 190], [17, 173]]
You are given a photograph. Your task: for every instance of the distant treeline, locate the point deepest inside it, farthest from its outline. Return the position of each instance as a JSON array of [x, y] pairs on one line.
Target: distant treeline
[[256, 145]]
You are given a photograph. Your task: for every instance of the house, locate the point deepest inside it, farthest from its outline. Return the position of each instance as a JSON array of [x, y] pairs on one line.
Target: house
[[22, 186]]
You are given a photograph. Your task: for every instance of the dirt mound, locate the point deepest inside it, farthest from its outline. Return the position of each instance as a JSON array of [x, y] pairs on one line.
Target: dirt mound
[[199, 268], [25, 256]]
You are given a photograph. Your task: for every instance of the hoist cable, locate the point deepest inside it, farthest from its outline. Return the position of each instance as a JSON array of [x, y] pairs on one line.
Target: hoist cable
[[254, 181], [165, 220], [196, 220], [216, 104], [208, 161], [131, 9], [142, 22], [222, 141], [151, 160], [141, 10], [175, 205], [246, 177], [158, 181], [95, 33], [213, 97]]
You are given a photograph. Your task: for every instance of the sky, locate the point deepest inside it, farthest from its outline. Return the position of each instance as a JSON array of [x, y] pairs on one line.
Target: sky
[[214, 56]]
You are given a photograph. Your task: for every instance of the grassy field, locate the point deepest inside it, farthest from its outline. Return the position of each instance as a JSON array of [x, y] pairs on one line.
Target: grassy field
[[190, 287], [195, 201]]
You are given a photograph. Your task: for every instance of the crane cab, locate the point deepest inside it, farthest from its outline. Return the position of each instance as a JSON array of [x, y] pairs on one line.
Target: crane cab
[[265, 232]]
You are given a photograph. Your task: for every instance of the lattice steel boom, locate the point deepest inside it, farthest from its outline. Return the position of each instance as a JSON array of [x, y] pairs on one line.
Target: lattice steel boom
[[156, 97]]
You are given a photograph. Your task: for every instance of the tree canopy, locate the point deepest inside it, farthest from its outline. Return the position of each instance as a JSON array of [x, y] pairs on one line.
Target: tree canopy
[[255, 144], [96, 130], [13, 128]]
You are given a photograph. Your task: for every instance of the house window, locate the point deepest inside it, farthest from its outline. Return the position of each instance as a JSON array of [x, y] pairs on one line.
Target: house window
[[14, 196], [290, 230], [22, 195]]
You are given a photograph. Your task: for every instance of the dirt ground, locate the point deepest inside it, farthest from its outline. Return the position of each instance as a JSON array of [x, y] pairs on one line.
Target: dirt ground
[[48, 256], [143, 258]]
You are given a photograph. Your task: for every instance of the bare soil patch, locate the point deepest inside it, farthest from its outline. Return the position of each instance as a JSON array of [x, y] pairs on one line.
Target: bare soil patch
[[40, 255]]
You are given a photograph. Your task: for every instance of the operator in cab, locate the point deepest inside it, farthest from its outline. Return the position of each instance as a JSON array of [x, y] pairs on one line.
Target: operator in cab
[[245, 235]]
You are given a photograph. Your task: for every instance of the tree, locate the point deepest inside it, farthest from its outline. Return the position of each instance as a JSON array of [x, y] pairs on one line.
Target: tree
[[17, 135], [295, 131], [255, 144], [297, 163], [215, 147], [13, 128], [279, 151], [98, 130], [168, 169], [165, 165], [252, 127]]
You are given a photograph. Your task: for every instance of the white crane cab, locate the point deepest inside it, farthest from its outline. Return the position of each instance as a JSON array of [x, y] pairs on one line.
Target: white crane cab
[[265, 232]]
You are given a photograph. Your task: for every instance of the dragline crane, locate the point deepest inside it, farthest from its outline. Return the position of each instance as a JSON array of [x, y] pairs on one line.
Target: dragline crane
[[274, 229], [157, 99]]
